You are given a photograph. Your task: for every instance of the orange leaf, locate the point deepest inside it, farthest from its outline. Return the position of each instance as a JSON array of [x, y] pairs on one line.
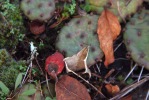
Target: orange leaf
[[108, 30], [68, 88], [112, 89]]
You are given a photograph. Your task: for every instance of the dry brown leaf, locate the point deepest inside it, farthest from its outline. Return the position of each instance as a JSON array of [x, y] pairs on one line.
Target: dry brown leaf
[[78, 61], [112, 89], [108, 30], [68, 88], [128, 97]]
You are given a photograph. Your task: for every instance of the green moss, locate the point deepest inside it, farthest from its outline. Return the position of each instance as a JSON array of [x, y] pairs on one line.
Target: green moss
[[9, 68], [11, 24]]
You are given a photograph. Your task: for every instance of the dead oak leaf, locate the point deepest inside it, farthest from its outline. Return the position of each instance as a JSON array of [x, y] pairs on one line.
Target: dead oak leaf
[[68, 88], [108, 30], [78, 61]]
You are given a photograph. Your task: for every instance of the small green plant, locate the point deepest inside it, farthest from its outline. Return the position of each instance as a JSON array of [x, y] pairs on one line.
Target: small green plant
[[4, 90], [70, 7], [9, 68]]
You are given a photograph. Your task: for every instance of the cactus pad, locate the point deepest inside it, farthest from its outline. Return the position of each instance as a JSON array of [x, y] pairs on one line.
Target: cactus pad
[[79, 33], [137, 38], [121, 8], [41, 10]]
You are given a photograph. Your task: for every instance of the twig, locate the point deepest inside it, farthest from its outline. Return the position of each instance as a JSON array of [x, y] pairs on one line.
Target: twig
[[140, 73], [129, 88], [109, 73], [94, 74], [118, 46], [32, 57], [130, 72], [85, 81], [119, 10], [98, 67], [147, 96], [128, 2], [48, 85], [26, 74], [39, 66]]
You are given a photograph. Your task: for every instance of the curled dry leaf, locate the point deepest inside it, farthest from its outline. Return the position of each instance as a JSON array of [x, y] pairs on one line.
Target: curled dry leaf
[[78, 61], [108, 30], [68, 88]]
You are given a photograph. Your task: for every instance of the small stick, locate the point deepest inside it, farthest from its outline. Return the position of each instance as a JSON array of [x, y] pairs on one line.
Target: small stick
[[130, 72], [147, 96], [129, 88], [98, 67], [85, 81], [109, 73], [26, 73], [119, 10], [118, 46], [48, 85], [39, 66], [140, 73]]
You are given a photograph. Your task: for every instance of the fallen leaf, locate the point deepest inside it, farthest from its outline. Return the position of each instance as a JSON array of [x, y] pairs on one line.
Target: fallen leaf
[[36, 27], [78, 61], [68, 88], [128, 97], [108, 30], [112, 89]]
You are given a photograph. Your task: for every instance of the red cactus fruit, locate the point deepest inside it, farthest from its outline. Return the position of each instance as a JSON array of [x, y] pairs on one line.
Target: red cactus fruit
[[54, 64], [37, 27]]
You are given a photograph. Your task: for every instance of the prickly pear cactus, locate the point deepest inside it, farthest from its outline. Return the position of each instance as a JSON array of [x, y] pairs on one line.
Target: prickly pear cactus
[[121, 8], [137, 38], [79, 33], [98, 3], [41, 10]]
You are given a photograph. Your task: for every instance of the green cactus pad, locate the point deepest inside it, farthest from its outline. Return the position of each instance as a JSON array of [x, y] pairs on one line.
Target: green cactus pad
[[137, 38], [79, 33], [41, 10], [99, 3], [121, 8]]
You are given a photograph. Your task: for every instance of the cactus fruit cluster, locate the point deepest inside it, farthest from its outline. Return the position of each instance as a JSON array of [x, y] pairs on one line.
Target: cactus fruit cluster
[[11, 25], [79, 33], [121, 8], [41, 10], [9, 68], [136, 38]]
